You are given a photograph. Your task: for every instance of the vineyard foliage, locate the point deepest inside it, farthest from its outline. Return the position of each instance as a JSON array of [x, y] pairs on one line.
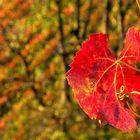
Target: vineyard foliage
[[38, 40]]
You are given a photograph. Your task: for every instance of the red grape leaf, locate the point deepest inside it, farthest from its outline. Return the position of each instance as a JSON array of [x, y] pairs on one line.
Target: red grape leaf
[[104, 85]]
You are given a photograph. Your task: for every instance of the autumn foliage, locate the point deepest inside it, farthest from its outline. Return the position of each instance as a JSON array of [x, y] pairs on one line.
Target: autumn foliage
[[104, 85], [38, 40]]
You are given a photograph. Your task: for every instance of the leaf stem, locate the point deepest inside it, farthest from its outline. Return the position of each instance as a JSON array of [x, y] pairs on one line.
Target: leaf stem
[[129, 66]]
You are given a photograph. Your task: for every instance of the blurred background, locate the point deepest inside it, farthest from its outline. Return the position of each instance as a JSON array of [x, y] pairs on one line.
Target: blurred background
[[38, 39]]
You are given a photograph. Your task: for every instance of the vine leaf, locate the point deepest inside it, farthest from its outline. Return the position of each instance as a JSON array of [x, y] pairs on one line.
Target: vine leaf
[[105, 87]]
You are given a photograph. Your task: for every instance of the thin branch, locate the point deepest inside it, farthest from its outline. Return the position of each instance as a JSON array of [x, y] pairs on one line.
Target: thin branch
[[108, 10], [66, 68], [121, 34], [138, 3], [60, 21], [87, 19], [78, 18]]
